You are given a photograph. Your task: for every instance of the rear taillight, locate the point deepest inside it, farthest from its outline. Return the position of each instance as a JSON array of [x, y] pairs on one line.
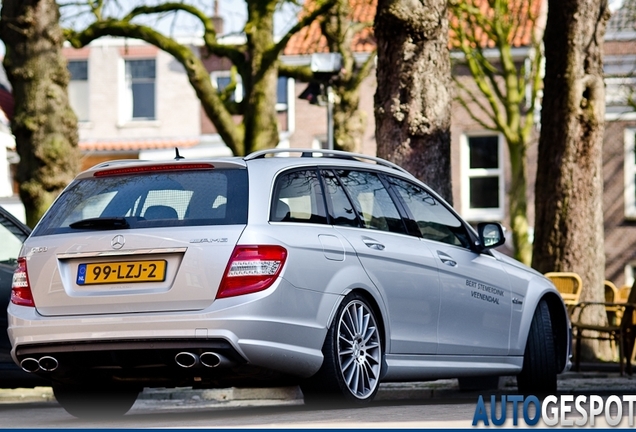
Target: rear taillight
[[252, 269], [21, 289]]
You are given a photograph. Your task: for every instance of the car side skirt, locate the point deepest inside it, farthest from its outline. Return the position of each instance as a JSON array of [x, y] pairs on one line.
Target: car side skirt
[[430, 367]]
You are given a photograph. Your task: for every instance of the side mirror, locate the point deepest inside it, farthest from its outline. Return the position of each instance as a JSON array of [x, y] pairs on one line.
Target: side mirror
[[491, 235]]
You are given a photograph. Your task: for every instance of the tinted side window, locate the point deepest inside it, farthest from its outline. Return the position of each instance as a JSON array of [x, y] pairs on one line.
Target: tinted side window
[[342, 211], [182, 198], [372, 200], [433, 219], [298, 198]]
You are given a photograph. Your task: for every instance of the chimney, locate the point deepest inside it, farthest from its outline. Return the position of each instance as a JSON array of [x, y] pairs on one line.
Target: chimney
[[217, 19]]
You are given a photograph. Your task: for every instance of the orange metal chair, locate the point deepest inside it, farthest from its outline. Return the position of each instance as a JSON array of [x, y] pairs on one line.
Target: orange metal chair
[[568, 284], [623, 294], [614, 313]]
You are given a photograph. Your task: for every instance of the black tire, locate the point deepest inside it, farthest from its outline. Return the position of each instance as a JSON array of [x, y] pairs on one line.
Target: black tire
[[350, 372], [539, 373], [94, 403]]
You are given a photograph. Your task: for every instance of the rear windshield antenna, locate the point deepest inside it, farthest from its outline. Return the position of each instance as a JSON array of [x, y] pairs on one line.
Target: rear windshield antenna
[[177, 155]]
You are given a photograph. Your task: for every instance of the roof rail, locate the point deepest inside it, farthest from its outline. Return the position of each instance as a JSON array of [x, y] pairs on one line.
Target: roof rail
[[324, 153]]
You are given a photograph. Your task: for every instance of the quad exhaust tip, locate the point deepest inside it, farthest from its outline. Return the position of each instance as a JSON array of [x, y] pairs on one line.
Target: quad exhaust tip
[[30, 365], [46, 363], [208, 359], [186, 359]]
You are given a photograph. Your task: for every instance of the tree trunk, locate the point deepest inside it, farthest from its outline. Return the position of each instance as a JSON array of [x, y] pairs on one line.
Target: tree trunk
[[569, 215], [261, 124], [412, 101], [518, 201], [44, 125]]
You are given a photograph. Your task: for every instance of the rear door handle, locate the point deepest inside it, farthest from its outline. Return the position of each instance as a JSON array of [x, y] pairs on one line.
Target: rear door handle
[[446, 259], [373, 244]]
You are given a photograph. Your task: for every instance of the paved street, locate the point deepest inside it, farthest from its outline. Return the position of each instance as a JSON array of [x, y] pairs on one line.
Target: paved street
[[434, 404]]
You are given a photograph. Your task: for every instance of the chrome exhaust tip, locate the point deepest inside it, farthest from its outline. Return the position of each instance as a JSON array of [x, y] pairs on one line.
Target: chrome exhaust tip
[[30, 365], [186, 359], [210, 359], [48, 363]]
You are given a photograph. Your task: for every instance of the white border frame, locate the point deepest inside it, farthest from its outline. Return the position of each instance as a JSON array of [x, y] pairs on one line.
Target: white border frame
[[471, 214], [238, 91], [125, 103], [88, 89]]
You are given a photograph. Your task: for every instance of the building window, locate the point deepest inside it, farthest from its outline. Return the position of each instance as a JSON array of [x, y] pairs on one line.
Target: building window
[[140, 86], [222, 79], [282, 89], [630, 174], [482, 181], [630, 273], [78, 88]]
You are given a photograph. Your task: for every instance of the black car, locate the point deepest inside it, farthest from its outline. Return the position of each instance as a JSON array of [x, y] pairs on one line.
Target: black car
[[12, 234]]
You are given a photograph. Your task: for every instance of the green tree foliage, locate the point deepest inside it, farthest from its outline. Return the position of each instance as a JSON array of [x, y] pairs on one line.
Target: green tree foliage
[[503, 91], [340, 29], [256, 61], [44, 125]]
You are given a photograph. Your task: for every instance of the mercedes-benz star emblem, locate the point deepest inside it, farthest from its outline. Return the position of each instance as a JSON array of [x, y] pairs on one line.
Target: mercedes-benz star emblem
[[118, 242]]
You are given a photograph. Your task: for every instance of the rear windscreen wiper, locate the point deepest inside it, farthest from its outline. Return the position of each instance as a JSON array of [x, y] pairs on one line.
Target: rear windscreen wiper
[[104, 223]]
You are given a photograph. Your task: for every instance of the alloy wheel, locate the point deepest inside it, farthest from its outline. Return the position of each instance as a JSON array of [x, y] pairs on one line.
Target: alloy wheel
[[359, 349]]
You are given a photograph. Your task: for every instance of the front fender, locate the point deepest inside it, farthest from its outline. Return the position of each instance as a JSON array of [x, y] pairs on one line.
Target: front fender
[[540, 288]]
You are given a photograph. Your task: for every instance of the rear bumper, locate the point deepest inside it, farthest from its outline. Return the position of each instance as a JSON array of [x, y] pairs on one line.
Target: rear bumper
[[153, 362], [279, 331]]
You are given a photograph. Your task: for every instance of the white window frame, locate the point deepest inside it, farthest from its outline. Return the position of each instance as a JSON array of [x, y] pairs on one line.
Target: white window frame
[[238, 91], [629, 164], [126, 97], [629, 273], [81, 89], [290, 91], [481, 214]]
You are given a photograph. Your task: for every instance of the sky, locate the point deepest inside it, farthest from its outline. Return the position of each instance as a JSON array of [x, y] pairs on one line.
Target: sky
[[234, 13]]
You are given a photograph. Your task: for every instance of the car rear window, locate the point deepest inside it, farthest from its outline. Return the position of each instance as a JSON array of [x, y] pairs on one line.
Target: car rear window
[[164, 199]]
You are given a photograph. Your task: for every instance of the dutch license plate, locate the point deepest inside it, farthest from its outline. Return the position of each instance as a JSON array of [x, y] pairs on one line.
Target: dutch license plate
[[123, 271]]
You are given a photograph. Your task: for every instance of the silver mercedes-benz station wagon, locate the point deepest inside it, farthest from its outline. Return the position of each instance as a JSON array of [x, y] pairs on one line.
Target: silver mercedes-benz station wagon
[[331, 270]]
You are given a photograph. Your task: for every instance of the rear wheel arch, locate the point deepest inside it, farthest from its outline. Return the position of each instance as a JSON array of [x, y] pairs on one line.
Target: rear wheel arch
[[376, 310], [353, 354]]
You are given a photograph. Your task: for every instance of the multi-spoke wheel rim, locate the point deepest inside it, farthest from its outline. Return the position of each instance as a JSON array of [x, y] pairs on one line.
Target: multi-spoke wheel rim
[[359, 349]]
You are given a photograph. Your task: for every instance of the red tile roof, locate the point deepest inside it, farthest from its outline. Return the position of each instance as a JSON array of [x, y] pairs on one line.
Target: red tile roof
[[525, 12], [137, 144], [310, 39]]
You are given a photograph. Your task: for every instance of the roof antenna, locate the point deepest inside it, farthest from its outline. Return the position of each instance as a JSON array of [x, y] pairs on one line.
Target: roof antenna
[[177, 155]]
